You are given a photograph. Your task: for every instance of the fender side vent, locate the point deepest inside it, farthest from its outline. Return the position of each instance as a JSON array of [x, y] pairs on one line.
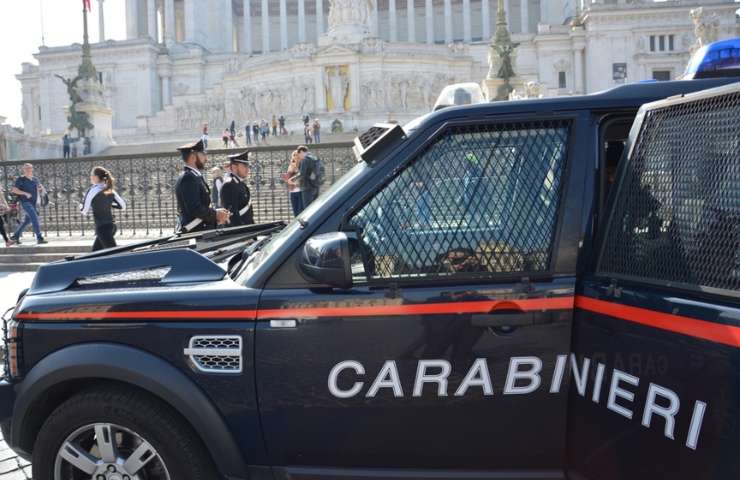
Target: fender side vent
[[215, 353]]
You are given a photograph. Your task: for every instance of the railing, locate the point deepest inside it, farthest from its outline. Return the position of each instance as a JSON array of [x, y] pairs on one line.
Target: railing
[[147, 183]]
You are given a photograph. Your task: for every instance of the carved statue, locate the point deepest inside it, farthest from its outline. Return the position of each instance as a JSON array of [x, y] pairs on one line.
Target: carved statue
[[706, 30], [79, 121], [353, 13], [71, 85]]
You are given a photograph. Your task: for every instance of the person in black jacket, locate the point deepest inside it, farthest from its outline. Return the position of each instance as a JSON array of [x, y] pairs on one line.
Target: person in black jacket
[[193, 195], [101, 199], [309, 175], [235, 194]]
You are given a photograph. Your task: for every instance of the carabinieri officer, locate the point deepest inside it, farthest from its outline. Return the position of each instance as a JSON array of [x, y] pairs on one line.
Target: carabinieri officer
[[235, 194], [193, 194]]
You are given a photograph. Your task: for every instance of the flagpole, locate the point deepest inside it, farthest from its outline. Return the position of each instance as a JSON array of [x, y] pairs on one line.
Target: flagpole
[[41, 12]]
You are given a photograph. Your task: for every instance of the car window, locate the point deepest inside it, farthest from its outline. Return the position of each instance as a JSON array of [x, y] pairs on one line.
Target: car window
[[479, 201], [676, 218]]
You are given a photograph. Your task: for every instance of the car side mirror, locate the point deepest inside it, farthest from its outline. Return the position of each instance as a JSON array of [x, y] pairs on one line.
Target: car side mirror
[[326, 259]]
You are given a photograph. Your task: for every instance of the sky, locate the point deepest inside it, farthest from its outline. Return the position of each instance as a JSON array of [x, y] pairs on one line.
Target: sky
[[20, 38]]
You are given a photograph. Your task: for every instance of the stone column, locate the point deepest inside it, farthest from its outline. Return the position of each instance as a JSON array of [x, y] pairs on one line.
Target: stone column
[[448, 21], [190, 19], [151, 18], [169, 22], [579, 44], [302, 21], [319, 18], [166, 90], [429, 13], [525, 15], [374, 27], [392, 21], [467, 34], [101, 22], [486, 19], [247, 41], [227, 37], [411, 20], [265, 26], [132, 19], [283, 25]]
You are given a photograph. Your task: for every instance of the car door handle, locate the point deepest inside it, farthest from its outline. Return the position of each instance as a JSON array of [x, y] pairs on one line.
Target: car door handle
[[503, 319]]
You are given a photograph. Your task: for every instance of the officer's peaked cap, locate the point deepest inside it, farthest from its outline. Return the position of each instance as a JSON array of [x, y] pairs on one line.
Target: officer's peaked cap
[[240, 158], [191, 147]]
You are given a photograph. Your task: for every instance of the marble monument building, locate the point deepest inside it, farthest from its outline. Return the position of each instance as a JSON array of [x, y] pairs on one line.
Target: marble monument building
[[189, 62]]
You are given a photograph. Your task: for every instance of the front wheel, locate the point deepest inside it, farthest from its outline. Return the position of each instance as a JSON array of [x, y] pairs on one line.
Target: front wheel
[[115, 434]]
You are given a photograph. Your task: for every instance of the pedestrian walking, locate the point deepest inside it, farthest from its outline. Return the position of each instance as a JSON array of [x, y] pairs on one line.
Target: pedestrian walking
[[281, 122], [225, 137], [232, 134], [292, 180], [310, 171], [256, 132], [204, 136], [264, 130], [274, 126], [66, 145], [217, 181], [193, 194], [248, 133], [28, 188], [307, 134], [4, 208], [100, 200], [316, 127], [235, 194]]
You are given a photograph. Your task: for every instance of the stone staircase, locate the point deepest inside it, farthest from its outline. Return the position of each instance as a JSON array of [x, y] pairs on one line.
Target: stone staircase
[[28, 257]]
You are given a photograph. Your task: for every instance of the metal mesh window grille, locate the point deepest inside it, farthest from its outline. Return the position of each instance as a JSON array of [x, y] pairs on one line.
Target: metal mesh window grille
[[677, 215], [483, 199]]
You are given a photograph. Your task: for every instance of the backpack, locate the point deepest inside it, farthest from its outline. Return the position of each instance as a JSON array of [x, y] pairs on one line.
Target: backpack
[[317, 174]]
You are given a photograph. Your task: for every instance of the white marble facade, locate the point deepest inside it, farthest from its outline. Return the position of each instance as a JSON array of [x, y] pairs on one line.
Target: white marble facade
[[190, 62]]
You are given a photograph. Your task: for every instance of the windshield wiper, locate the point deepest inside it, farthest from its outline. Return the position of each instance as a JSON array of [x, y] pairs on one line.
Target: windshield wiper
[[240, 258]]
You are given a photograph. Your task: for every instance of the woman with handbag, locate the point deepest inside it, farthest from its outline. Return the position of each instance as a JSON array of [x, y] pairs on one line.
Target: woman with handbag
[[100, 199], [291, 178], [4, 208]]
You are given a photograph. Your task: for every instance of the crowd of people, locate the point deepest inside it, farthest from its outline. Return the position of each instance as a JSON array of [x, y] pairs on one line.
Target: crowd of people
[[225, 201], [259, 132]]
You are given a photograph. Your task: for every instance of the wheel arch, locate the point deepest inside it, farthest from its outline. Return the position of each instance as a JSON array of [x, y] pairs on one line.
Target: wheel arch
[[65, 372]]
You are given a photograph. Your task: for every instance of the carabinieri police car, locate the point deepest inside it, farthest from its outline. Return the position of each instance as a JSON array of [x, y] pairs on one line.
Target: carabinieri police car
[[528, 289]]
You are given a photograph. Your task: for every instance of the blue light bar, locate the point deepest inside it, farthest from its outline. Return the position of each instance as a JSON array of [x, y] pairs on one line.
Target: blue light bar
[[718, 59]]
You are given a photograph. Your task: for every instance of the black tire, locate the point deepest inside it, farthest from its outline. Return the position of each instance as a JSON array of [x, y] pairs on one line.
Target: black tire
[[180, 449]]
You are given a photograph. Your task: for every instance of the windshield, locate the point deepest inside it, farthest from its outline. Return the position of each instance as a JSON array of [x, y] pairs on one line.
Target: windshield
[[305, 218]]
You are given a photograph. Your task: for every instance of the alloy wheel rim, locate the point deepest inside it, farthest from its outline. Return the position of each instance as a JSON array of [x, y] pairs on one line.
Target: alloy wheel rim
[[106, 451]]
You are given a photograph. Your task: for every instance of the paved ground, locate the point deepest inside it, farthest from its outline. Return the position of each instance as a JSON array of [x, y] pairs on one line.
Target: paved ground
[[11, 466]]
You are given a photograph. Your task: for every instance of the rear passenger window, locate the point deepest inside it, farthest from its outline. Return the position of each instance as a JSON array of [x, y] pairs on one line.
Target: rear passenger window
[[481, 200], [676, 218]]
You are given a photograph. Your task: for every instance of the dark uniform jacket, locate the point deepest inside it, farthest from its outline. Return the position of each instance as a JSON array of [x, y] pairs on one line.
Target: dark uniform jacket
[[235, 196], [194, 200]]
